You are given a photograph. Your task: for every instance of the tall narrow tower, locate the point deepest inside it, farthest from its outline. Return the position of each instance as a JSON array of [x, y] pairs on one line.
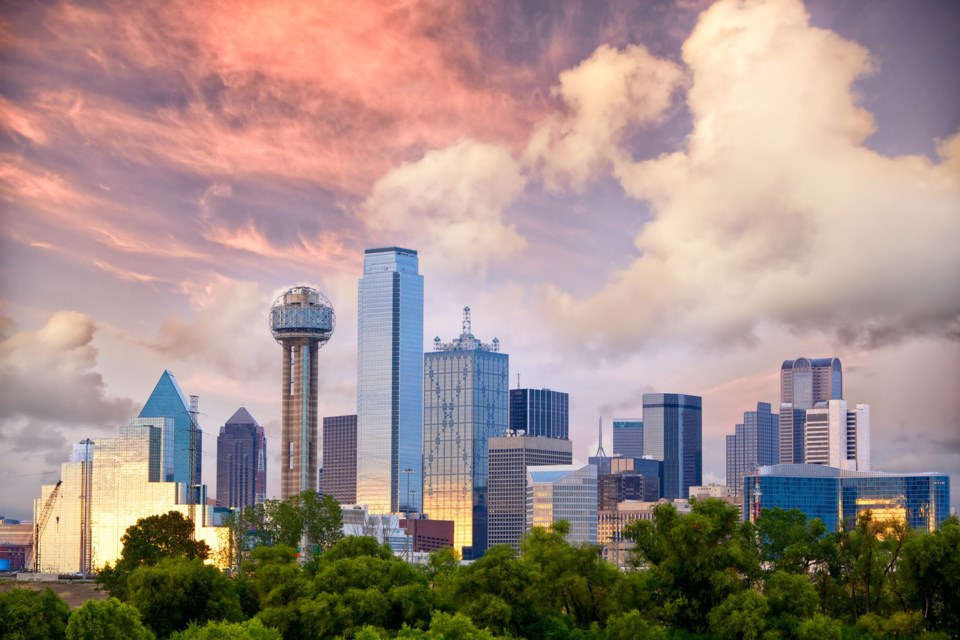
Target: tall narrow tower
[[302, 321]]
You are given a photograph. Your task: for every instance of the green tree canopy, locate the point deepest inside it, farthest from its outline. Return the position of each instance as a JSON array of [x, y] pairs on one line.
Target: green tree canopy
[[247, 630], [27, 614], [107, 620]]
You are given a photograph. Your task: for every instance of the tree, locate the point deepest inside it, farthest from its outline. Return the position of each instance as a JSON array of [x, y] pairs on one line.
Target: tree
[[742, 616], [176, 592], [107, 620], [788, 541], [150, 540], [929, 576], [248, 630], [284, 522], [26, 614]]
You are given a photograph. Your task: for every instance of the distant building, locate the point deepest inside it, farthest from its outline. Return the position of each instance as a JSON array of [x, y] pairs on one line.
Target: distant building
[[509, 458], [836, 437], [628, 438], [465, 402], [241, 462], [564, 492], [16, 543], [755, 443], [428, 535], [615, 488], [672, 432], [803, 383], [540, 412], [838, 497], [390, 381], [339, 479]]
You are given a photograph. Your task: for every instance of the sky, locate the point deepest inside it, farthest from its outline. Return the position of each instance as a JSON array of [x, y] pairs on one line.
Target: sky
[[632, 196]]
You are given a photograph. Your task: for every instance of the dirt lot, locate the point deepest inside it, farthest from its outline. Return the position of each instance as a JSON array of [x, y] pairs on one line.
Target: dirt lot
[[74, 593]]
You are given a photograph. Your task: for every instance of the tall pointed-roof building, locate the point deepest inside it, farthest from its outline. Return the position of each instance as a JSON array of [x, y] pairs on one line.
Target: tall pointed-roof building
[[167, 401], [241, 462]]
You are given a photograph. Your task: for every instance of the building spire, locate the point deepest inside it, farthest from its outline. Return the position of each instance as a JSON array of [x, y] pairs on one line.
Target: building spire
[[600, 452], [466, 321]]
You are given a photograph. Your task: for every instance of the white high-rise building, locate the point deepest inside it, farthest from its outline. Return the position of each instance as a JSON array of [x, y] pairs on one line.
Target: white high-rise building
[[836, 437]]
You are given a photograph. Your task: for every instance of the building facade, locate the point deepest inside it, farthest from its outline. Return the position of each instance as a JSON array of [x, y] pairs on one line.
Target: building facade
[[339, 479], [465, 401], [755, 443], [390, 382], [564, 492], [540, 412], [803, 383], [838, 497], [182, 448], [509, 458], [241, 462], [837, 437], [672, 432], [628, 438]]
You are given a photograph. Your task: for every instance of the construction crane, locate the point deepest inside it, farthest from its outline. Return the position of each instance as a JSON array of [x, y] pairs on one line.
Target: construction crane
[[42, 518]]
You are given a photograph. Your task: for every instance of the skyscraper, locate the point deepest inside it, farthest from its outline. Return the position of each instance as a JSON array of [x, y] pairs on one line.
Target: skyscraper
[[628, 438], [509, 458], [464, 405], [540, 412], [756, 442], [183, 449], [672, 432], [564, 492], [241, 462], [390, 382], [836, 437], [302, 321], [803, 383], [340, 458]]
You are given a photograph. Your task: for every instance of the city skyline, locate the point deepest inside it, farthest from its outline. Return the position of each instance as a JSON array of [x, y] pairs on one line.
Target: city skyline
[[631, 217]]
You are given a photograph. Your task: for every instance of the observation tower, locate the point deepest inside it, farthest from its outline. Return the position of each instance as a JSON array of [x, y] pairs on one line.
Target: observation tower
[[302, 321]]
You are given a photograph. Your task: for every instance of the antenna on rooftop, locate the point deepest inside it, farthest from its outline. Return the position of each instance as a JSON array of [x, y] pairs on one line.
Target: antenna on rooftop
[[466, 321], [600, 452]]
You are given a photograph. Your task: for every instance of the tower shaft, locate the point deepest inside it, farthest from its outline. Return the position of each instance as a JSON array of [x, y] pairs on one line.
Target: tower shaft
[[298, 470]]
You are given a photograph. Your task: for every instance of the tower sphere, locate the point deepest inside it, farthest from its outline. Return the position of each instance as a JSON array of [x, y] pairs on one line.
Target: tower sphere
[[302, 312]]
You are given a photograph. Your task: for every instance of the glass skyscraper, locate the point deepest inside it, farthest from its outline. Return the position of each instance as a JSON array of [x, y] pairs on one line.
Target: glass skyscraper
[[390, 382], [540, 412], [837, 497], [755, 443], [339, 478], [465, 403], [564, 492], [672, 432], [241, 462], [628, 438], [803, 383], [168, 401]]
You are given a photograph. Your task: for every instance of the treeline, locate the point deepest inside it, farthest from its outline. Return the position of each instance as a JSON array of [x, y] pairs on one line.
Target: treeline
[[701, 575]]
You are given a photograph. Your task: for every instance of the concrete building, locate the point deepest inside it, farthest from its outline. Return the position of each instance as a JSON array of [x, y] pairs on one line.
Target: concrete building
[[836, 437], [241, 462], [540, 412], [302, 321], [509, 458], [564, 492], [390, 381], [672, 432], [465, 404], [339, 478]]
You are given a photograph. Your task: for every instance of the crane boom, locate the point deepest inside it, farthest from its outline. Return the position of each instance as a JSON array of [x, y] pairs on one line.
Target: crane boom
[[42, 518]]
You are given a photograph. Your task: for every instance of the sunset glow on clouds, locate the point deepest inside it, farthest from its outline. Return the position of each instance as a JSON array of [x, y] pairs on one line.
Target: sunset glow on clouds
[[631, 196]]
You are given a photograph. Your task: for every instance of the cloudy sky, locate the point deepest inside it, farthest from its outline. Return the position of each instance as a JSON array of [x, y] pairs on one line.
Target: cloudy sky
[[633, 196]]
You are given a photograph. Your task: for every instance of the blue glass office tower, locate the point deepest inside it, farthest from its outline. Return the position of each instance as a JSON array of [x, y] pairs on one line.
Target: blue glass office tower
[[835, 496], [540, 412], [672, 432], [390, 382], [803, 383], [465, 404], [755, 443], [628, 438], [168, 401]]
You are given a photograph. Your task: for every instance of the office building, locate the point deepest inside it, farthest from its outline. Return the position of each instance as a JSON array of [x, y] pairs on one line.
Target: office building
[[838, 497], [302, 321], [241, 462], [564, 492], [428, 535], [465, 404], [755, 443], [509, 458], [672, 432], [615, 488], [339, 479], [836, 437], [628, 438], [540, 412], [390, 382], [182, 450], [803, 383]]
